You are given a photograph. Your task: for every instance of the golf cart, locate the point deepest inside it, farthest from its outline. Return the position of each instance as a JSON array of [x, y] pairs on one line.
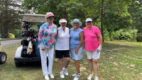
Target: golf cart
[[28, 52], [3, 56]]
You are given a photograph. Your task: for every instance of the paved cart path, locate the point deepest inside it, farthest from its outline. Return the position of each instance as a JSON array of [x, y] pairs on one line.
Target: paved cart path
[[10, 42]]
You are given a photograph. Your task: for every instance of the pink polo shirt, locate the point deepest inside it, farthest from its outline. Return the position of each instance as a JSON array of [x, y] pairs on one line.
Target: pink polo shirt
[[91, 38]]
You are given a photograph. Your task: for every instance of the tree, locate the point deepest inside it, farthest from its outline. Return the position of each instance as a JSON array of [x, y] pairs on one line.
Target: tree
[[62, 8], [102, 17], [116, 15], [9, 17], [135, 9], [109, 15]]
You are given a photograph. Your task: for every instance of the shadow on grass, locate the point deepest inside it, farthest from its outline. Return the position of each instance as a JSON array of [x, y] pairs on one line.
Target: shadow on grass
[[30, 65]]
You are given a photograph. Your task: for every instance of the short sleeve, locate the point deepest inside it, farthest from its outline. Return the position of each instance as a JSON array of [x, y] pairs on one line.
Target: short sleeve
[[84, 29], [97, 31]]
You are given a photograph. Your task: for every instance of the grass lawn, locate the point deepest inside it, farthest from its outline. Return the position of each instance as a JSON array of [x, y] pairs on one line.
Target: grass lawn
[[119, 60]]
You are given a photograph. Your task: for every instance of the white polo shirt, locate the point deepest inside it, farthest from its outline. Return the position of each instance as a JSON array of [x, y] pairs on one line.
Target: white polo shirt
[[62, 41]]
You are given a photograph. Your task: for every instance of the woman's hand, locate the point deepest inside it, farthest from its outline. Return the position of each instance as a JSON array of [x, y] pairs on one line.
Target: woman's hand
[[43, 48], [99, 48], [81, 43], [76, 50]]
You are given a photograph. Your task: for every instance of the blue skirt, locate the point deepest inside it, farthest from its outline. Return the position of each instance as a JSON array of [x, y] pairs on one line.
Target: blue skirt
[[77, 56]]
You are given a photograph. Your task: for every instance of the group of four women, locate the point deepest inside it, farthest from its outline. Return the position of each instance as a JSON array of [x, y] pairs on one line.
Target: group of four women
[[69, 40]]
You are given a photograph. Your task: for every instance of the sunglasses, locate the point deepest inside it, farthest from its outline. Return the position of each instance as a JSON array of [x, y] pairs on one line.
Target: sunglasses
[[52, 17], [89, 22]]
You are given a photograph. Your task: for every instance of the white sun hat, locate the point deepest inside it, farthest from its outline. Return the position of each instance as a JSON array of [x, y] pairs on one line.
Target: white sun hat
[[88, 19], [62, 21]]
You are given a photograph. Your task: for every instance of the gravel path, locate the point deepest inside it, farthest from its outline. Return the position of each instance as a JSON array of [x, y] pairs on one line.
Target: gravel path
[[9, 42]]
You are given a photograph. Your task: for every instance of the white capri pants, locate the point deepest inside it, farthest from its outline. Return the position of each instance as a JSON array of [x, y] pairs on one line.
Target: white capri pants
[[49, 52], [93, 55]]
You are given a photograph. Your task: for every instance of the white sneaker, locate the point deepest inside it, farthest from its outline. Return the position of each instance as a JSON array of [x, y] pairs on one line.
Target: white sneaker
[[62, 75], [46, 77], [90, 77], [65, 71], [74, 74], [77, 76], [96, 78], [51, 76]]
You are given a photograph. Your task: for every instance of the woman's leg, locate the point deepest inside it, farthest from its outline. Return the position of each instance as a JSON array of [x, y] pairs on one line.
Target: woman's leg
[[90, 65], [50, 59], [96, 66], [78, 57], [77, 65], [60, 61], [67, 61], [90, 62], [43, 55]]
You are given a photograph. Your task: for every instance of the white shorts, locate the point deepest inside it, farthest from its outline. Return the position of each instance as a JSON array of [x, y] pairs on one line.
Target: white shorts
[[93, 55]]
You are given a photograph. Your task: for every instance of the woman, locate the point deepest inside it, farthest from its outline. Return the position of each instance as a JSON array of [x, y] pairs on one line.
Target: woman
[[46, 36], [93, 44], [62, 47], [76, 45]]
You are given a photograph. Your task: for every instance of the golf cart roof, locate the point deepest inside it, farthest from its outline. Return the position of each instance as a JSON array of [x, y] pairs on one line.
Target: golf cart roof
[[33, 17]]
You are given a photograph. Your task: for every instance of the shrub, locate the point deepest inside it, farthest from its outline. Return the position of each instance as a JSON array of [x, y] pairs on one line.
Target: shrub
[[122, 34], [106, 35], [139, 37], [18, 33], [11, 35], [125, 34]]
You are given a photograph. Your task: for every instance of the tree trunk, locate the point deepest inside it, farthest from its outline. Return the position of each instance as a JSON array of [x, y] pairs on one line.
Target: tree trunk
[[4, 32], [64, 15], [102, 15]]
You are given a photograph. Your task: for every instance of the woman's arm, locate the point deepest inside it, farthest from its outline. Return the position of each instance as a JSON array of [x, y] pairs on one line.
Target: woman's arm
[[55, 33], [100, 39], [81, 42], [56, 36], [99, 35], [40, 35]]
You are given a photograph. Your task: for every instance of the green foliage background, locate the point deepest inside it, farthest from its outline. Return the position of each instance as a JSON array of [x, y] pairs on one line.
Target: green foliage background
[[118, 14]]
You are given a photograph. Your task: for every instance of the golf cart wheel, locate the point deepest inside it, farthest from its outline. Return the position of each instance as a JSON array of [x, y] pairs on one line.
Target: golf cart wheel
[[3, 57]]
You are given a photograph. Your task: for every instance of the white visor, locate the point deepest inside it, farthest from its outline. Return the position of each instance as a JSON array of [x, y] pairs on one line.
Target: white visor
[[62, 21]]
